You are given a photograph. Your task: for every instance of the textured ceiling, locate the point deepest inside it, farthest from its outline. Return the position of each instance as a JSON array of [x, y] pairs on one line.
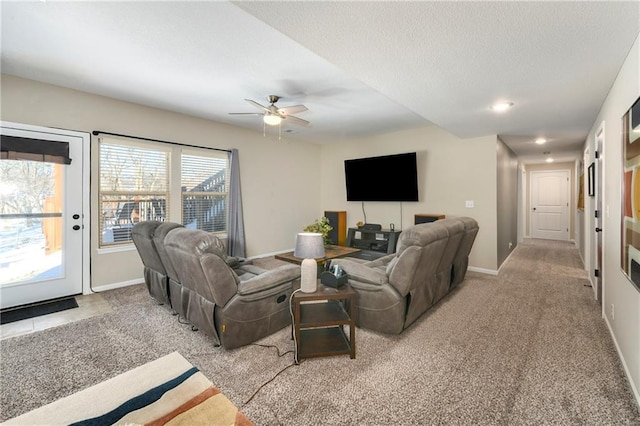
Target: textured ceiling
[[360, 67]]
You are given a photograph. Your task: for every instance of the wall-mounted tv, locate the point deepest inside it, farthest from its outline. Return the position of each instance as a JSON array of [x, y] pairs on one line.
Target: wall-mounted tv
[[385, 178]]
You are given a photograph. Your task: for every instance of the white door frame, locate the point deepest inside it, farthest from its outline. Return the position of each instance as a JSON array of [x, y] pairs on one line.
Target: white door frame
[[598, 246], [588, 219], [86, 194]]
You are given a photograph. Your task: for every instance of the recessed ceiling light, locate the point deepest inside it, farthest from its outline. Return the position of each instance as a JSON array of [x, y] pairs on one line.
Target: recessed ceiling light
[[549, 160], [501, 106], [541, 141]]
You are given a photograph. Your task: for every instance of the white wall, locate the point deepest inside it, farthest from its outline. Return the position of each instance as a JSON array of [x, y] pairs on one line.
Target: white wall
[[450, 171], [280, 178], [617, 289]]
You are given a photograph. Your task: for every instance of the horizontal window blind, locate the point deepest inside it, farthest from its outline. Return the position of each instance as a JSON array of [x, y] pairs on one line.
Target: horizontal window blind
[[204, 191], [134, 186], [136, 183]]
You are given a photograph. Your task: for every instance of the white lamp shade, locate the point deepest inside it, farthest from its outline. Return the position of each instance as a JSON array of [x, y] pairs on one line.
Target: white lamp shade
[[309, 245]]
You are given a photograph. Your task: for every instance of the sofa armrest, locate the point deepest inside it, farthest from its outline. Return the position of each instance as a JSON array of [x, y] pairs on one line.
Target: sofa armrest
[[363, 273], [269, 279]]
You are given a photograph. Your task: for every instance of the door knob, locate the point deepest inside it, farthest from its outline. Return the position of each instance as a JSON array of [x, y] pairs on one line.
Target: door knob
[[76, 216], [598, 229], [534, 209], [76, 227]]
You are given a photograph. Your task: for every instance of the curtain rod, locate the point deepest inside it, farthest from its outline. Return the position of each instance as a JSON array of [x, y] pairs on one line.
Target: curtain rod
[[97, 132]]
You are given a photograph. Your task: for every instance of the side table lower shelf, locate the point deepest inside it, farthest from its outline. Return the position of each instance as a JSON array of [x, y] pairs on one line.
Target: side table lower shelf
[[316, 342]]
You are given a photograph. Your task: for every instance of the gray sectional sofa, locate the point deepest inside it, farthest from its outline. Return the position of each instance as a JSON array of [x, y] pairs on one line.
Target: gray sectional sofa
[[395, 290], [237, 303]]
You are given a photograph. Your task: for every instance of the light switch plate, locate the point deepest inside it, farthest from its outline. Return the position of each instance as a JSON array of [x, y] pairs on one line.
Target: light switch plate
[[469, 204]]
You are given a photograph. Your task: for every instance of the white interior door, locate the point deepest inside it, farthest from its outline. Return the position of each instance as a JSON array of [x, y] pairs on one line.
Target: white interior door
[[550, 205], [42, 210]]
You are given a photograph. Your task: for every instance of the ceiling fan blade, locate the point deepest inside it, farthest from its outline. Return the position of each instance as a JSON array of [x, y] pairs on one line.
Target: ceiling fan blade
[[298, 121], [257, 105], [292, 109], [245, 113]]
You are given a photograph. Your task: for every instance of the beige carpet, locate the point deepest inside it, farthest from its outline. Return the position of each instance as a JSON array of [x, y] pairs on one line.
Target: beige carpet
[[525, 348]]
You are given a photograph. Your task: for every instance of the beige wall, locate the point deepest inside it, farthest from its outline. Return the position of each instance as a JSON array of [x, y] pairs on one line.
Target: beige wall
[[572, 193], [285, 184], [617, 289], [280, 178], [507, 201], [450, 171]]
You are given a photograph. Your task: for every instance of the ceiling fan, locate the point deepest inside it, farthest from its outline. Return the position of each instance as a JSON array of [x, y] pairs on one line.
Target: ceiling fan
[[273, 115]]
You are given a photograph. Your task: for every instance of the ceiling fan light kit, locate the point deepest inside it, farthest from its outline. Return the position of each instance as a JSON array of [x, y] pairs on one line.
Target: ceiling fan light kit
[[272, 120], [273, 115]]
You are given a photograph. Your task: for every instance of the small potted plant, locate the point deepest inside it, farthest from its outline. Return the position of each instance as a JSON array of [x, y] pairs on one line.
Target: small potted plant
[[320, 227]]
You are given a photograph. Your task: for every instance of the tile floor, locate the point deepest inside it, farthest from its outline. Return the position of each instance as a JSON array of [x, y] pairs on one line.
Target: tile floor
[[90, 305]]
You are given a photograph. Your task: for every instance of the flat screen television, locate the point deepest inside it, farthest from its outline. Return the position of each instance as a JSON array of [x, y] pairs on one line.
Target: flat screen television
[[385, 178]]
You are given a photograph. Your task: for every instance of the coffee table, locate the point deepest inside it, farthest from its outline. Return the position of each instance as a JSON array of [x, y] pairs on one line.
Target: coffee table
[[330, 252]]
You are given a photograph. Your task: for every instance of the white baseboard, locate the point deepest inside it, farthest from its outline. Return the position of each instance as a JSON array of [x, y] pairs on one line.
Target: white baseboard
[[634, 388], [269, 254], [113, 286], [482, 270]]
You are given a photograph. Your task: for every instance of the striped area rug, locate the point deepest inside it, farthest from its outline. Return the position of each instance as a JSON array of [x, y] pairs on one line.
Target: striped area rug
[[167, 391]]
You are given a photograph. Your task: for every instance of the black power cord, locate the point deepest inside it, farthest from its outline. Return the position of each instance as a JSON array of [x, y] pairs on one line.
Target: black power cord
[[280, 355], [266, 383]]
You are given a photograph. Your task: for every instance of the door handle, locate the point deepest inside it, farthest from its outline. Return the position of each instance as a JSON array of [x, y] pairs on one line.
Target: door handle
[[534, 209], [598, 229], [76, 227]]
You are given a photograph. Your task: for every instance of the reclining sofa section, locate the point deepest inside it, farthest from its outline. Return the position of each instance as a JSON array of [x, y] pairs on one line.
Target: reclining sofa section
[[157, 271], [234, 302], [235, 306], [393, 291]]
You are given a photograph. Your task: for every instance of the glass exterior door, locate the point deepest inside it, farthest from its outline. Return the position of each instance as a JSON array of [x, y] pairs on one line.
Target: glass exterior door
[[41, 223]]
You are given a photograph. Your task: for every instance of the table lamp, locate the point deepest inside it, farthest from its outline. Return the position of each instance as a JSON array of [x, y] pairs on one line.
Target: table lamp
[[309, 246]]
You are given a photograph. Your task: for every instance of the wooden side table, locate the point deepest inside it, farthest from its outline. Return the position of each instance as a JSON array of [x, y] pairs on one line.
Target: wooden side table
[[319, 319]]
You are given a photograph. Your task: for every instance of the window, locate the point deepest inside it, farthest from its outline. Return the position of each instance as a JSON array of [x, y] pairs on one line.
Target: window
[[136, 184], [204, 191]]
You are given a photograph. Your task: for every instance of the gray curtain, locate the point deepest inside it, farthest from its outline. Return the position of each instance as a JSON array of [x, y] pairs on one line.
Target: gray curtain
[[235, 223]]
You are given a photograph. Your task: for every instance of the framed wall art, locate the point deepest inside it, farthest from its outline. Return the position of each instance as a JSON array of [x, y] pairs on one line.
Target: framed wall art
[[630, 221]]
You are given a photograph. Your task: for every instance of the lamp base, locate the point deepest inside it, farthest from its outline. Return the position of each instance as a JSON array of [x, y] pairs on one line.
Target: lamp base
[[309, 276]]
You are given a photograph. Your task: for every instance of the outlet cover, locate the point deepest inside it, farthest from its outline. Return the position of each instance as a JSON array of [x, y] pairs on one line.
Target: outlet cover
[[613, 312], [468, 204]]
